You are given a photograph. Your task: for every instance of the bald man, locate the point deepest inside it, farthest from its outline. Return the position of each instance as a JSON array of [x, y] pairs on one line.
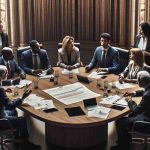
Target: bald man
[[7, 59]]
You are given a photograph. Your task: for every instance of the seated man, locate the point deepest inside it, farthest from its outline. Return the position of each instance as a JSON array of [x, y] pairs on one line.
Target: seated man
[[18, 123], [8, 60], [35, 60], [105, 57], [139, 112]]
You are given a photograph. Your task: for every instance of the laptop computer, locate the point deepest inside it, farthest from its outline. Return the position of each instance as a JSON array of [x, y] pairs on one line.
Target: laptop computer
[[90, 104], [83, 79]]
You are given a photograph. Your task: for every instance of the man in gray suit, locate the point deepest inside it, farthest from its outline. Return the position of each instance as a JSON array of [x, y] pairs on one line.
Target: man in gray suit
[[105, 57]]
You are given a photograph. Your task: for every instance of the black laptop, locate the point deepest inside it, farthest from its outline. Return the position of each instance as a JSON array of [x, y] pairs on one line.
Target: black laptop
[[83, 79]]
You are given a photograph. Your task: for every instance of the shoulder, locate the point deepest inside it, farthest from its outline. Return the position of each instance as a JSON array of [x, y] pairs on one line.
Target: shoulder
[[26, 52], [113, 50], [98, 49], [60, 50], [76, 49], [43, 51]]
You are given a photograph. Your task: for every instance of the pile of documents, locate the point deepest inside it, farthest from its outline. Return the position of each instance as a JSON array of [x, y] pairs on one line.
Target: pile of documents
[[74, 71], [24, 83]]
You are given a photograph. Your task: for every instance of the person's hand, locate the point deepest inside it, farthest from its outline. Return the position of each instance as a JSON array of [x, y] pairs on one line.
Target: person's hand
[[69, 67], [121, 79], [101, 69], [8, 90], [49, 71], [38, 71], [22, 75], [26, 94], [87, 68], [128, 96]]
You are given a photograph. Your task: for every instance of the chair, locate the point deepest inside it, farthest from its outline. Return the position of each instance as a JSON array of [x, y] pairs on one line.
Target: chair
[[141, 133], [75, 44], [5, 130], [21, 50], [124, 59]]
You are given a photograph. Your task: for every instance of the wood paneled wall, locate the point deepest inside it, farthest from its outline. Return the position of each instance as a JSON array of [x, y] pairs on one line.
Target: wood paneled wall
[[51, 20]]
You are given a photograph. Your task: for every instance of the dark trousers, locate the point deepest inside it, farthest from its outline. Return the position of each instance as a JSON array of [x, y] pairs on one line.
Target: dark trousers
[[123, 126], [20, 124]]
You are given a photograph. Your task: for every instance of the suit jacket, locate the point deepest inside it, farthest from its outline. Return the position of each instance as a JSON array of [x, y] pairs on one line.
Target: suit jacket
[[112, 59], [128, 70], [137, 40], [63, 58], [144, 107], [14, 67], [27, 62], [7, 105], [4, 37]]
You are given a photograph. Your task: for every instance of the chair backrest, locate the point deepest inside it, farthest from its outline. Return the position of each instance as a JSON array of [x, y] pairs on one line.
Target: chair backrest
[[21, 50], [124, 58], [75, 44]]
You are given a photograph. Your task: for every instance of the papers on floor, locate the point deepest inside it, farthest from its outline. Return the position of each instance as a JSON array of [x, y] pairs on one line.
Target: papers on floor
[[115, 99], [122, 86], [39, 102], [74, 71], [71, 93], [24, 83], [99, 112], [95, 75]]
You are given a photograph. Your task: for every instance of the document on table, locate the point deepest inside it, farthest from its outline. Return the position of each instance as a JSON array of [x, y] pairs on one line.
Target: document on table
[[122, 86], [115, 99], [47, 76], [24, 83], [99, 112], [95, 75], [71, 93], [39, 102], [74, 71]]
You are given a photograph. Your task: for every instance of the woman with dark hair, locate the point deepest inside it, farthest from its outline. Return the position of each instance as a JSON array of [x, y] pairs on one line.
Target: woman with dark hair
[[135, 65], [143, 41], [68, 55]]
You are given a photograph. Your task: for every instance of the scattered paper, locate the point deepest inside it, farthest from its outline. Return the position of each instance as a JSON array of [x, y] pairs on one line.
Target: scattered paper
[[95, 75], [122, 86], [74, 71], [24, 83]]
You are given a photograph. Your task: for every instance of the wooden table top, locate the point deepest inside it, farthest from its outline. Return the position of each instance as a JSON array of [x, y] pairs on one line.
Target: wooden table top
[[61, 117]]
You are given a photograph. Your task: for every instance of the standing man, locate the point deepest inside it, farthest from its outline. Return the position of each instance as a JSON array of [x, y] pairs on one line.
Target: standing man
[[139, 112], [3, 37], [35, 60], [105, 57]]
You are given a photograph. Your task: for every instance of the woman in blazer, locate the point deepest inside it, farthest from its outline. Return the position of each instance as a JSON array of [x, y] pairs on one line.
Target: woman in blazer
[[135, 65], [68, 55], [143, 41]]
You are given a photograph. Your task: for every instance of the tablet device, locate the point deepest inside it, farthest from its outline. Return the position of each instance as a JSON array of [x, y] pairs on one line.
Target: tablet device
[[90, 103], [83, 79], [50, 110], [74, 111], [117, 107]]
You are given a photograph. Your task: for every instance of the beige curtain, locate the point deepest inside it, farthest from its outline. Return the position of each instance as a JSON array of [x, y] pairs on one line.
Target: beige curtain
[[51, 20]]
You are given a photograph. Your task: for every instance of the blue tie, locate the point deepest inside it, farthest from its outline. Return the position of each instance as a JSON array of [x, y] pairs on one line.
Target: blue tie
[[103, 61]]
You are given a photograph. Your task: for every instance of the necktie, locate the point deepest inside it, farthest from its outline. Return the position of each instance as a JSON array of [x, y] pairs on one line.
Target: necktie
[[35, 62], [103, 61], [9, 72]]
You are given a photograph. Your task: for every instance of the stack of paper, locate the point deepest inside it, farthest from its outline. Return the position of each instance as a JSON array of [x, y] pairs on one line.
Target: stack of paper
[[24, 83], [96, 75], [99, 112], [122, 86], [115, 99], [74, 71]]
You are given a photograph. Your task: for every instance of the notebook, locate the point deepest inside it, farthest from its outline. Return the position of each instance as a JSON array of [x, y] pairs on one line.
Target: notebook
[[83, 79], [90, 104]]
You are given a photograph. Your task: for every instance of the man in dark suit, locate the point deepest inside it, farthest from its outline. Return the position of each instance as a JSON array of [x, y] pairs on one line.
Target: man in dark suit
[[139, 112], [8, 60], [105, 57], [35, 60], [3, 37], [18, 123]]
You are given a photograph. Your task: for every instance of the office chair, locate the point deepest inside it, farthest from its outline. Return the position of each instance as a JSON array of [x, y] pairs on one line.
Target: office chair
[[141, 133], [6, 130]]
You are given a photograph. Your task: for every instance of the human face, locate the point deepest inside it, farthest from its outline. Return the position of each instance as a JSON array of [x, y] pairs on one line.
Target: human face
[[70, 43], [36, 47], [131, 56], [104, 42], [141, 31]]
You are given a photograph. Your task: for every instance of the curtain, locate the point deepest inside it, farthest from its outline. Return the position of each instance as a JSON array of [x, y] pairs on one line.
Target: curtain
[[51, 20]]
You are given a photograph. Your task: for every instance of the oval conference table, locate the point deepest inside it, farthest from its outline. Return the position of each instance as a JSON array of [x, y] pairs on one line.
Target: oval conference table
[[79, 131]]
